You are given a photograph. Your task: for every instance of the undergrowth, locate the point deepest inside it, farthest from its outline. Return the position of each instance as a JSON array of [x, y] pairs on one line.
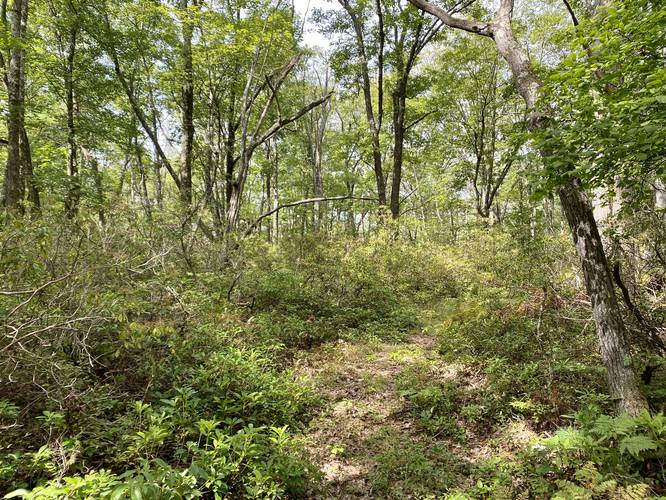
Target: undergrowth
[[146, 364]]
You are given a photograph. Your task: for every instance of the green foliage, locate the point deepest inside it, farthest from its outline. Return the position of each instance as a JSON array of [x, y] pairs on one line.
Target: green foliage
[[412, 469], [339, 290], [608, 98], [604, 454], [510, 324], [435, 403]]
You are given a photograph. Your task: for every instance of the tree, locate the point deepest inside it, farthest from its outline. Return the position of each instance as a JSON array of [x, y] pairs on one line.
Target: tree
[[13, 189], [187, 148], [611, 330], [388, 38]]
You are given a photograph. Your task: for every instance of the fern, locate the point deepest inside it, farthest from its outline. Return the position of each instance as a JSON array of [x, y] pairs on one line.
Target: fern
[[635, 445]]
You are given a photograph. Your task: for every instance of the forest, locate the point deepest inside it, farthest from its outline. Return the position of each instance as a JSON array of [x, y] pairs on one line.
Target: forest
[[333, 249]]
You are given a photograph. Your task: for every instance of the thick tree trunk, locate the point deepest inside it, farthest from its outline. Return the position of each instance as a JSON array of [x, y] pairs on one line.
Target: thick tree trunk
[[607, 315], [611, 329], [188, 108], [13, 188]]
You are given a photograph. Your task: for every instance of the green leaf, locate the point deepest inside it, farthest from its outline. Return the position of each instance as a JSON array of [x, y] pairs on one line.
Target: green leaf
[[637, 444], [119, 492], [17, 493]]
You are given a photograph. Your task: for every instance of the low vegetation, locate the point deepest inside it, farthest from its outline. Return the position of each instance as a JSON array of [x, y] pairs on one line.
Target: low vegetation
[[426, 369]]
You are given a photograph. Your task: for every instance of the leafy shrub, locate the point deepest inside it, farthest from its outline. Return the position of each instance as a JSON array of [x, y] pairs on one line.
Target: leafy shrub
[[407, 469]]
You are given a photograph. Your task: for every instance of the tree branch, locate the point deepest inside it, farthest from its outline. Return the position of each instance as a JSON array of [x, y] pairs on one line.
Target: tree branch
[[254, 225], [574, 19], [471, 26]]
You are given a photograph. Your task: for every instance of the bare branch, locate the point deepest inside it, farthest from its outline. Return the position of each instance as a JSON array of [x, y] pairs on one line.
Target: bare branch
[[471, 26], [254, 225]]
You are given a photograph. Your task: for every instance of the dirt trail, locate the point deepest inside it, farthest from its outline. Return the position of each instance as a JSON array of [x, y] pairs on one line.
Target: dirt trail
[[363, 408]]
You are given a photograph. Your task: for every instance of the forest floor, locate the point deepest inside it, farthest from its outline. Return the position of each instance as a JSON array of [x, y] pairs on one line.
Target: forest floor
[[366, 440]]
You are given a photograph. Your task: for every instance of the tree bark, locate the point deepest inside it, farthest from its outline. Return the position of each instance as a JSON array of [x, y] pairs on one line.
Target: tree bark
[[188, 107], [29, 175], [275, 193], [374, 122], [74, 190], [399, 111], [13, 188], [660, 197], [611, 330], [91, 160]]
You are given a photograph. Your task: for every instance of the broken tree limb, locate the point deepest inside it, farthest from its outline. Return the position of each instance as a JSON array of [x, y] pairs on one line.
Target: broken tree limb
[[254, 225]]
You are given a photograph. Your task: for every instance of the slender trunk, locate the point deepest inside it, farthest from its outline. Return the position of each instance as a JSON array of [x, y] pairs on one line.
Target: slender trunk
[[374, 122], [235, 194], [317, 158], [157, 161], [317, 155], [13, 185], [188, 108], [660, 197], [317, 187], [275, 219], [74, 191], [29, 175], [142, 185], [210, 176], [399, 110], [230, 161], [92, 163]]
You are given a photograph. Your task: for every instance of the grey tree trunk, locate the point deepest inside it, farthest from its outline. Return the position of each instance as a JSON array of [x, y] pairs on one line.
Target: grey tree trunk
[[93, 165], [188, 107], [275, 194], [13, 188], [660, 197], [74, 191], [317, 157], [611, 330], [29, 175], [374, 120]]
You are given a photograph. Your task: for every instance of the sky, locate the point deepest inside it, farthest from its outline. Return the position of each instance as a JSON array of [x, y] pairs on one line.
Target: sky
[[311, 37]]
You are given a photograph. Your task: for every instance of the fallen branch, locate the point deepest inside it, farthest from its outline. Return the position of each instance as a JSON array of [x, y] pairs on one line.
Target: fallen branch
[[256, 223]]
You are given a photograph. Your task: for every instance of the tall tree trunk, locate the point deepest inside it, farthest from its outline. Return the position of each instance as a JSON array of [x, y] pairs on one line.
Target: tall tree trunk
[[13, 188], [74, 191], [374, 121], [92, 163], [611, 330], [319, 123], [141, 184], [157, 161], [605, 308], [188, 107], [399, 110], [275, 188], [29, 175], [660, 197]]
